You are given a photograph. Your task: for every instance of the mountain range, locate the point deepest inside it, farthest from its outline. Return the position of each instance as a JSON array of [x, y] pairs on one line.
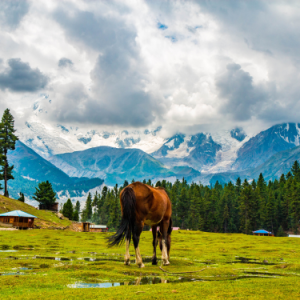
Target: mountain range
[[77, 162], [30, 169]]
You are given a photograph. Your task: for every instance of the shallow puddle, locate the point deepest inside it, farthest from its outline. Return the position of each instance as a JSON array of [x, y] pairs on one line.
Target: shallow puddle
[[12, 273], [139, 281]]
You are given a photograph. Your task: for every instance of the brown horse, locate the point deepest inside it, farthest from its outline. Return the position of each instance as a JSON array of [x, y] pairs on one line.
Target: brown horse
[[142, 204]]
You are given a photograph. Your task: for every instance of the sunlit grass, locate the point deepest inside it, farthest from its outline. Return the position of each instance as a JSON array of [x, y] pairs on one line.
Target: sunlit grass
[[272, 272]]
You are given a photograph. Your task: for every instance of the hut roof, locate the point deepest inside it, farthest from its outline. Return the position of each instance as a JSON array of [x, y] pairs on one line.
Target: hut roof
[[17, 213], [98, 226], [262, 231]]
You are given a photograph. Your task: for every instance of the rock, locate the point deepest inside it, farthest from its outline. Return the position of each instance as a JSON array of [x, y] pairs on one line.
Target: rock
[[61, 216]]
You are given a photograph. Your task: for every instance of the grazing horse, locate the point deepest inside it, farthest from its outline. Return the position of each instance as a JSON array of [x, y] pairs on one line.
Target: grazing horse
[[142, 204]]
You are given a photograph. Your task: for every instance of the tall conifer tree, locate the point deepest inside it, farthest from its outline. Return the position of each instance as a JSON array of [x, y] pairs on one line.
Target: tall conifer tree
[[68, 209], [7, 142]]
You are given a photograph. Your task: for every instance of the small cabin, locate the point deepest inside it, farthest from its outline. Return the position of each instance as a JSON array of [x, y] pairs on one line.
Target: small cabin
[[18, 219], [98, 228], [86, 226], [262, 232]]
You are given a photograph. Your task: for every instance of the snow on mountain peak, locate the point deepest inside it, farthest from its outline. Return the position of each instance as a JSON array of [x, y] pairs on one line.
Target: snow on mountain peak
[[48, 140]]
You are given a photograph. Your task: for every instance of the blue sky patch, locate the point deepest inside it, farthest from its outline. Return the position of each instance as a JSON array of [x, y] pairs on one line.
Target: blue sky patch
[[161, 26], [172, 38]]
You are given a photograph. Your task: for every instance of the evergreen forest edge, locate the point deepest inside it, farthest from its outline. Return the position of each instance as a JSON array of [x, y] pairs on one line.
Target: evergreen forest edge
[[242, 207]]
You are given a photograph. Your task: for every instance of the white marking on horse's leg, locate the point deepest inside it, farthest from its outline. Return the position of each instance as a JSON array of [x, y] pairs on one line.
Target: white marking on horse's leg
[[165, 253], [138, 281], [138, 258], [127, 254]]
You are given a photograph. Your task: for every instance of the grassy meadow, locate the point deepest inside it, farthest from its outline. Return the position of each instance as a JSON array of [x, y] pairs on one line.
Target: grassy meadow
[[49, 264]]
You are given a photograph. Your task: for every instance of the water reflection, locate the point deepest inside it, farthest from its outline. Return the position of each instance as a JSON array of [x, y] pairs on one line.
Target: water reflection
[[138, 281]]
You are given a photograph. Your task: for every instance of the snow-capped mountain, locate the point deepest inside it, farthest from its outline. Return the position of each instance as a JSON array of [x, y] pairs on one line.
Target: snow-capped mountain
[[265, 144], [48, 140], [215, 152], [203, 151]]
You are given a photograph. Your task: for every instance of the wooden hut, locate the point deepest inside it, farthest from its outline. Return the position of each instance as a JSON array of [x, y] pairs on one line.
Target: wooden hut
[[18, 219], [86, 226], [98, 228], [262, 232]]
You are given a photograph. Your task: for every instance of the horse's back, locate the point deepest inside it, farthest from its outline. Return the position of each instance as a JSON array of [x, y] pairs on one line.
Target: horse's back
[[153, 204]]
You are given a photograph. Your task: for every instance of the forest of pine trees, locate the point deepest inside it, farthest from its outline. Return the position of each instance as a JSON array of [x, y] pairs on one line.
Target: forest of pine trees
[[240, 207]]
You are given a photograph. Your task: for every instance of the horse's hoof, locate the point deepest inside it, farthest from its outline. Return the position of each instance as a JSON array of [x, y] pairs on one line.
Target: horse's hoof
[[154, 263], [142, 265], [166, 263], [127, 262]]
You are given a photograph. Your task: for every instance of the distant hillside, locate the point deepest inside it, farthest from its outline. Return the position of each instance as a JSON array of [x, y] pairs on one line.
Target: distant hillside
[[45, 218], [30, 169], [278, 164], [113, 164]]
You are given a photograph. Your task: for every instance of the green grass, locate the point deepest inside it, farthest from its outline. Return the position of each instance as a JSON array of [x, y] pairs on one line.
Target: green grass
[[277, 260], [44, 219]]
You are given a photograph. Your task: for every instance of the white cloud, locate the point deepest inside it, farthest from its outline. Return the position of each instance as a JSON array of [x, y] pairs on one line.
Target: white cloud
[[141, 63]]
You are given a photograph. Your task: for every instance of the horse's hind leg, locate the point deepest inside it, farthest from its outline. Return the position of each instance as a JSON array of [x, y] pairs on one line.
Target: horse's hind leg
[[127, 254], [154, 234], [136, 239], [164, 230]]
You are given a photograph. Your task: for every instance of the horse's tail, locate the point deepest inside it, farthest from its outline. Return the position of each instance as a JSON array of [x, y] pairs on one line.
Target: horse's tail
[[126, 228]]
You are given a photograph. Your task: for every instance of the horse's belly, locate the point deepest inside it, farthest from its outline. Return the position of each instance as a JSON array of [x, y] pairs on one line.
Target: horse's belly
[[151, 222]]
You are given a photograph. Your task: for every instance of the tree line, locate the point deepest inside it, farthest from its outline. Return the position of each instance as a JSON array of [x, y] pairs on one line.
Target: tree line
[[240, 207]]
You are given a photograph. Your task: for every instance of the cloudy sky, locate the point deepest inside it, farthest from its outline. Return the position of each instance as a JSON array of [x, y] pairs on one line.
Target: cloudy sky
[[185, 65]]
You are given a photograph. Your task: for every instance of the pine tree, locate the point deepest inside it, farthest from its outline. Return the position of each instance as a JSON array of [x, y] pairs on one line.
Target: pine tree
[[271, 212], [87, 213], [95, 200], [44, 194], [280, 232], [68, 209], [295, 205], [183, 208], [238, 186], [22, 197], [296, 170], [195, 220], [77, 206], [7, 142], [75, 216]]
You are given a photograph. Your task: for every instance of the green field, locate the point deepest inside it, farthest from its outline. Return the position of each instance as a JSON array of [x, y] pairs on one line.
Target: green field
[[232, 266]]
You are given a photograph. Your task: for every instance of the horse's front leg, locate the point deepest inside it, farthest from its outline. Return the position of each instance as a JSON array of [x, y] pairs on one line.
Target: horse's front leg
[[127, 254], [136, 239], [164, 230], [154, 234]]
